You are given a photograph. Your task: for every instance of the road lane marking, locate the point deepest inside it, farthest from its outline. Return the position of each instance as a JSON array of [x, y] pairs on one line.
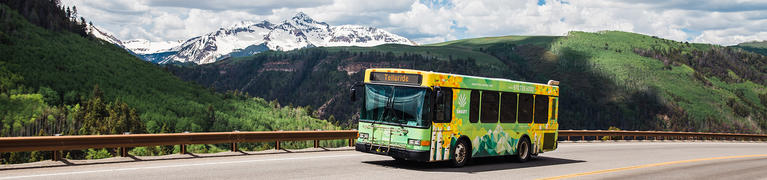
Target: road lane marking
[[652, 144], [649, 165], [173, 166]]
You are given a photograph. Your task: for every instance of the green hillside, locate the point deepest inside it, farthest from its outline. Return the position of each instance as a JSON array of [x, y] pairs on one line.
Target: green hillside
[[620, 79], [59, 82], [759, 47]]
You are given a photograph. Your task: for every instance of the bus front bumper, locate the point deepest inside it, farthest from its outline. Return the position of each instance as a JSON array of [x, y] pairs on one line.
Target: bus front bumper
[[412, 155]]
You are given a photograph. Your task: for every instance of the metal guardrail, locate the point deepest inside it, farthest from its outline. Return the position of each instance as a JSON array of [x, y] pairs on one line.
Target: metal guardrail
[[657, 135], [58, 143]]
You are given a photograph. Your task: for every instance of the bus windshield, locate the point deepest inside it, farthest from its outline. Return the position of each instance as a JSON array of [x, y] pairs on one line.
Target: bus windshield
[[395, 105]]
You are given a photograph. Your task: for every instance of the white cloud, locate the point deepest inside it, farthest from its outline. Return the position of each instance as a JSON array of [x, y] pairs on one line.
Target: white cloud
[[425, 21]]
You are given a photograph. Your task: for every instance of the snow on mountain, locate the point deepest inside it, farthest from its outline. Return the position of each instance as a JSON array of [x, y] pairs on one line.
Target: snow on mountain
[[354, 35], [247, 38], [104, 35], [142, 46]]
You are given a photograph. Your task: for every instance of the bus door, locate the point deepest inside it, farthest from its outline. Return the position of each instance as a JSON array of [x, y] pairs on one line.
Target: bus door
[[442, 131], [545, 136]]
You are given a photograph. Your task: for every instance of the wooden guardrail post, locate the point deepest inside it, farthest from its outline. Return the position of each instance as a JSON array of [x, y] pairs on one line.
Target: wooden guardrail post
[[56, 156], [316, 143], [277, 145], [182, 149], [123, 152], [234, 147]]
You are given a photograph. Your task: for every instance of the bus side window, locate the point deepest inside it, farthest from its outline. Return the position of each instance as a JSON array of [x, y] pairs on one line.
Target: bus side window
[[508, 107], [525, 108], [443, 111], [474, 106], [489, 107], [541, 109]]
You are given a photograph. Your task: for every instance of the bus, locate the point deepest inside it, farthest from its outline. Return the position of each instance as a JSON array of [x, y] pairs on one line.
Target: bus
[[430, 116]]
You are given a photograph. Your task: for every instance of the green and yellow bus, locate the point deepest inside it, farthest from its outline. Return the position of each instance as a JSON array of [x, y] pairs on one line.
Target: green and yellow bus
[[431, 116]]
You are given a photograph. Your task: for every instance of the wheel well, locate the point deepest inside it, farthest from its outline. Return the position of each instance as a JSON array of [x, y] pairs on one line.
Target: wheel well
[[468, 141], [524, 137]]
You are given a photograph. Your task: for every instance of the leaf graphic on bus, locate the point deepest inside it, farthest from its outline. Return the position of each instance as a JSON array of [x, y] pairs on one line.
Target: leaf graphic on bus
[[462, 100]]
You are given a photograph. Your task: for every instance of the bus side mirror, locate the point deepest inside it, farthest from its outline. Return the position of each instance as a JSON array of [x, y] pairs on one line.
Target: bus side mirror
[[353, 91]]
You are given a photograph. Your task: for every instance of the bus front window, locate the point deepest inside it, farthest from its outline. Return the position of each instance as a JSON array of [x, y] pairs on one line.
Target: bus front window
[[395, 104]]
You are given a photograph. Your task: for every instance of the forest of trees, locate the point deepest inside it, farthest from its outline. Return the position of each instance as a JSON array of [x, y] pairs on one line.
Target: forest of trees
[[57, 81], [726, 64], [50, 14]]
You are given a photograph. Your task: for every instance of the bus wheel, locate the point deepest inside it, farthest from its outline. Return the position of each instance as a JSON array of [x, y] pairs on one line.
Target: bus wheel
[[523, 150], [461, 154]]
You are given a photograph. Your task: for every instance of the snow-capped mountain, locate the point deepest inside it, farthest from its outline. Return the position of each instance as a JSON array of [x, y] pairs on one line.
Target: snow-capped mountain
[[248, 38]]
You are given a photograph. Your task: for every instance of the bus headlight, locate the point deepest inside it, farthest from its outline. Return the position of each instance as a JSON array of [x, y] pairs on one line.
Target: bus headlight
[[363, 135]]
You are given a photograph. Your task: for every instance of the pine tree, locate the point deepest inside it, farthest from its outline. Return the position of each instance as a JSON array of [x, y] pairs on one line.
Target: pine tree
[[69, 13], [74, 12], [211, 118]]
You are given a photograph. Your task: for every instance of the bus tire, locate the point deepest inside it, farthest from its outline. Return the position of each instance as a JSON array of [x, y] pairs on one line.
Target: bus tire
[[523, 150], [461, 153]]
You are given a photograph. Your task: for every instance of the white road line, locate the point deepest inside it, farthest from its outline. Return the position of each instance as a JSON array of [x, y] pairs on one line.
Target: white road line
[[172, 166]]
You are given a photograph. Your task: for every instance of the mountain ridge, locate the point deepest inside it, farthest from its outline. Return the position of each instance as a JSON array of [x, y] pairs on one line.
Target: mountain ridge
[[300, 31]]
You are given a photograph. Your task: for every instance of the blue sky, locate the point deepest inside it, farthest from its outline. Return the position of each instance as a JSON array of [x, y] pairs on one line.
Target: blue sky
[[430, 21]]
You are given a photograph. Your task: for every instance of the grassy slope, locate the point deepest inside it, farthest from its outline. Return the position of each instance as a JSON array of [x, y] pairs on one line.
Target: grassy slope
[[756, 47], [476, 43], [678, 85], [67, 62], [444, 53], [757, 44]]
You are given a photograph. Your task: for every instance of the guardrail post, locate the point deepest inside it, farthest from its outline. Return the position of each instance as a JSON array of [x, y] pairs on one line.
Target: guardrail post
[[182, 149], [234, 147], [123, 152], [351, 142], [277, 145], [56, 156], [316, 143]]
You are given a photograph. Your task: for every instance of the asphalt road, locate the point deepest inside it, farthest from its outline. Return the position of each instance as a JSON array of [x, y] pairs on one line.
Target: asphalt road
[[605, 160]]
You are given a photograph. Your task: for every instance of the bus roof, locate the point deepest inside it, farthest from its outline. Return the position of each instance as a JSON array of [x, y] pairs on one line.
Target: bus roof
[[470, 82]]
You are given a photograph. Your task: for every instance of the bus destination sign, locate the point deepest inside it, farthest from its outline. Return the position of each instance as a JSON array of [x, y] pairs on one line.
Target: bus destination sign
[[414, 79]]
